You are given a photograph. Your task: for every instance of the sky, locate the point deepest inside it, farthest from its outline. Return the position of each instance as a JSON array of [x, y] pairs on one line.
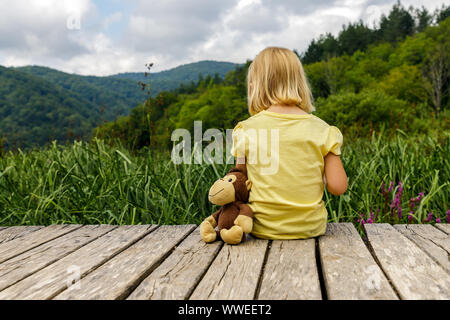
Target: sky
[[100, 37]]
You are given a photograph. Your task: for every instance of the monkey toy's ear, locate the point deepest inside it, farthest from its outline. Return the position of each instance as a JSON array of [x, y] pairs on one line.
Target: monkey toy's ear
[[248, 184]]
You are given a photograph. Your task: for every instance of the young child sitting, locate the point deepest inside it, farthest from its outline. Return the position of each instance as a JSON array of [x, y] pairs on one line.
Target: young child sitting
[[286, 151]]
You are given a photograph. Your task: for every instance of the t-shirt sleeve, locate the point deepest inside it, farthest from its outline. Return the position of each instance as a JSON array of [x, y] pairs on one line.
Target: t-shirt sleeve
[[238, 148], [333, 141]]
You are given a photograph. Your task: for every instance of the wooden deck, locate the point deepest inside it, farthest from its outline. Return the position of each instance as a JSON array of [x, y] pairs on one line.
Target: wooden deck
[[172, 262]]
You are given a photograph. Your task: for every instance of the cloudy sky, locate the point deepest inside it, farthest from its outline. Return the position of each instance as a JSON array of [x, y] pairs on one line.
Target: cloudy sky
[[103, 37]]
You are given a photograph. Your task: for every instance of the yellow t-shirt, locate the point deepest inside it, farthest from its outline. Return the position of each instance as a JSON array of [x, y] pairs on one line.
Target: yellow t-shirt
[[285, 162]]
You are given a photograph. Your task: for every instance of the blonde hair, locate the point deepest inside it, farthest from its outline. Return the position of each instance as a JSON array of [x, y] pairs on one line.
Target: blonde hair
[[276, 76]]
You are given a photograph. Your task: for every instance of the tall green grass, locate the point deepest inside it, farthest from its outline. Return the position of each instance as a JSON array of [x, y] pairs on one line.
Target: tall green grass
[[420, 163], [93, 182]]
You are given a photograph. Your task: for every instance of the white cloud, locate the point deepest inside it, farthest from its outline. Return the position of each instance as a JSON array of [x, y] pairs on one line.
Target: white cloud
[[111, 19], [169, 32]]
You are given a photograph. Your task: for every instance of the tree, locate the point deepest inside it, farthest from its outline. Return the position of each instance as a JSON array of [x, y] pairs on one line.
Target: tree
[[327, 44], [355, 37], [2, 148], [423, 19], [435, 74], [442, 14], [333, 70], [397, 25]]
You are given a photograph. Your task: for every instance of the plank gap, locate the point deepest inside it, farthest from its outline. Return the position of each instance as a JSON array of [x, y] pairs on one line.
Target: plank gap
[[266, 255], [188, 297], [147, 272], [372, 252], [62, 232], [45, 265], [14, 232], [442, 227], [57, 292], [420, 240], [323, 289]]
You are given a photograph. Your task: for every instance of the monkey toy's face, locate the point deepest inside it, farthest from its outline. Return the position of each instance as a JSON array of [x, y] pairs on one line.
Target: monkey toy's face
[[232, 187]]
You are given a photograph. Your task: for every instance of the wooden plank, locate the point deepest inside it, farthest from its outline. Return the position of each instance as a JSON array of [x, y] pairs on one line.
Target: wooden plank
[[235, 272], [443, 227], [117, 277], [349, 270], [413, 273], [431, 240], [53, 279], [291, 272], [32, 240], [21, 266], [178, 275], [11, 233]]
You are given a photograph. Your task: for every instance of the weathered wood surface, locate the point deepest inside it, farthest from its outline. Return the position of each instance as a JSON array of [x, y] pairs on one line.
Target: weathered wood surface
[[116, 278], [290, 272], [443, 227], [172, 262], [433, 241], [235, 272], [349, 270], [57, 277], [31, 240], [412, 272], [178, 275], [21, 266], [11, 233]]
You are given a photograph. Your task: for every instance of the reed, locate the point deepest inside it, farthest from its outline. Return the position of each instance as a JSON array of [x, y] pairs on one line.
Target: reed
[[90, 183]]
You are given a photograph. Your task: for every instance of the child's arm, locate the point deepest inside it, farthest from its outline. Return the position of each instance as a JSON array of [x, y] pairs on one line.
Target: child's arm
[[336, 178]]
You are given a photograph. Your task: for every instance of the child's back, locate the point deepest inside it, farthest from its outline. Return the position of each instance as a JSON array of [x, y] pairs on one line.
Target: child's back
[[285, 162]]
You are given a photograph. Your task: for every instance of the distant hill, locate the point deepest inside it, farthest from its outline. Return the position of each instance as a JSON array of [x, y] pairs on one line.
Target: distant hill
[[115, 96], [33, 111], [171, 79], [38, 104]]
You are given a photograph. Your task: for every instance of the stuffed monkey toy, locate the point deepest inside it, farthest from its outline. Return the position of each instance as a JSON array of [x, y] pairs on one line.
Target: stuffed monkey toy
[[235, 217]]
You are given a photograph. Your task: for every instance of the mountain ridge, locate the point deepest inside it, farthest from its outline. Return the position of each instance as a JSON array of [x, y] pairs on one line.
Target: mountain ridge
[[40, 103]]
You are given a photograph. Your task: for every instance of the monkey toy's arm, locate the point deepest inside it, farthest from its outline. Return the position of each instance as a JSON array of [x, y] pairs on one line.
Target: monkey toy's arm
[[245, 218], [212, 219], [207, 226]]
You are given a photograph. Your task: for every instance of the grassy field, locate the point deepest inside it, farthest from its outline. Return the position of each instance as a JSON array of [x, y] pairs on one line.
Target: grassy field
[[91, 183]]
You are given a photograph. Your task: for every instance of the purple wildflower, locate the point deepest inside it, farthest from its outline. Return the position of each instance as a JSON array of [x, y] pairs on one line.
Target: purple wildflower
[[448, 216], [382, 189], [413, 202], [391, 186], [361, 219], [438, 220], [396, 203], [393, 204], [429, 217], [410, 216]]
